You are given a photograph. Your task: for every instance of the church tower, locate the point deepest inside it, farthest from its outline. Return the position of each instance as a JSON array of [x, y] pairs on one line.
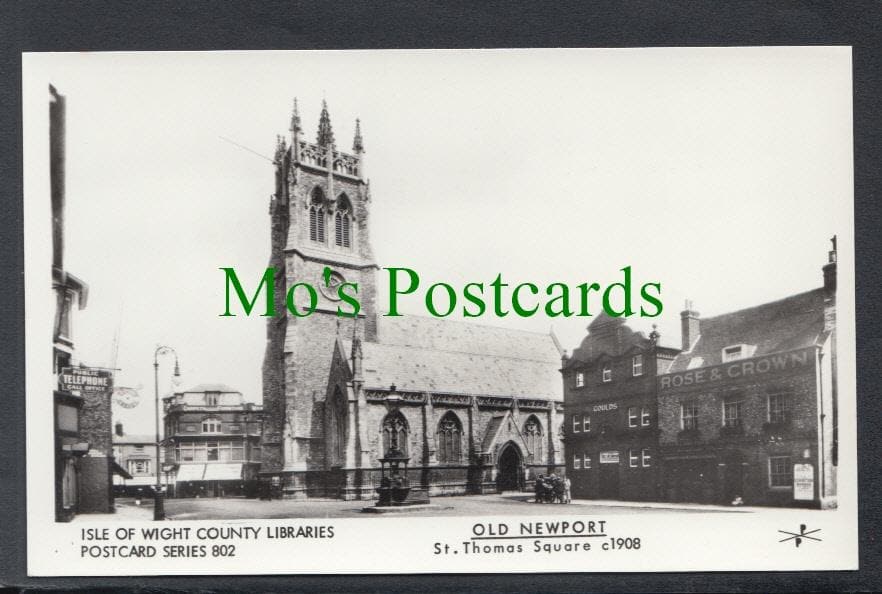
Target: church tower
[[319, 219]]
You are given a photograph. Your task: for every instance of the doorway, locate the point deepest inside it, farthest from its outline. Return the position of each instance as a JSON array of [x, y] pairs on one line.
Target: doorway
[[608, 483], [508, 477], [733, 471]]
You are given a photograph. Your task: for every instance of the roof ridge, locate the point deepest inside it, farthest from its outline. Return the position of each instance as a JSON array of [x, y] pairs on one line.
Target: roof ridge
[[440, 350], [761, 305], [466, 323]]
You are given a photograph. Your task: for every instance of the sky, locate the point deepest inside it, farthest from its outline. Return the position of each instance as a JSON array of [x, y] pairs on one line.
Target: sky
[[719, 173]]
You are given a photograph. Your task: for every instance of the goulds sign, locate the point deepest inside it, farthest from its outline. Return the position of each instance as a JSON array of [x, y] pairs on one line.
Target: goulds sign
[[777, 362], [86, 379]]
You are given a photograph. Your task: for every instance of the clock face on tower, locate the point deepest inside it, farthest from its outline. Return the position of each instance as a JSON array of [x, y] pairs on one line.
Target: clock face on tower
[[330, 283]]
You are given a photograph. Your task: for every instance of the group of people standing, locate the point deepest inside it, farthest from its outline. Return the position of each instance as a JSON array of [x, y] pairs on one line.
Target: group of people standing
[[552, 489]]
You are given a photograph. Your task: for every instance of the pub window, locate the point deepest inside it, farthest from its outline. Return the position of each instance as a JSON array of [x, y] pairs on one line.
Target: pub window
[[780, 471], [732, 412], [777, 407], [575, 423], [689, 416], [342, 220], [637, 365], [533, 437], [738, 351], [211, 425], [633, 458], [213, 451], [732, 353], [211, 398], [577, 462], [394, 434], [580, 379], [450, 439], [606, 373], [317, 216], [586, 461], [645, 458], [644, 416], [586, 423], [632, 416]]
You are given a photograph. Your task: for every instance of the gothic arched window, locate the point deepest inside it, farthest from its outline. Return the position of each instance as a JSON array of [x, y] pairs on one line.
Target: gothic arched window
[[450, 439], [342, 222], [394, 434], [533, 437], [317, 216]]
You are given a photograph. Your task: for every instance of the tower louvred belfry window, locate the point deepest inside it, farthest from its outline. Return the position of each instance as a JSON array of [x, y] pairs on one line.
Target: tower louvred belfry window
[[342, 222], [317, 216]]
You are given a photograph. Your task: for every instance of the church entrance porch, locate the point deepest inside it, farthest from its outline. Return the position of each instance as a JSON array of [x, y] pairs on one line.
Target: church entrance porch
[[510, 473]]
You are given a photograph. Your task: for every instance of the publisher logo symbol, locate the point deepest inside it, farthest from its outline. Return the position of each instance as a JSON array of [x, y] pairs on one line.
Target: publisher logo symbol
[[802, 535]]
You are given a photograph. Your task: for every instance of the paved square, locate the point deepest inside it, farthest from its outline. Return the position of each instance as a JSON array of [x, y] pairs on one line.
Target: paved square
[[514, 504]]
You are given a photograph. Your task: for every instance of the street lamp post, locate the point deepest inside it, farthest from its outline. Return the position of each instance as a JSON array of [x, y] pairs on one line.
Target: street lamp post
[[158, 505]]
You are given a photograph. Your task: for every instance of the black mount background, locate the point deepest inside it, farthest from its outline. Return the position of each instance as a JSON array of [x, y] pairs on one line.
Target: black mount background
[[205, 25]]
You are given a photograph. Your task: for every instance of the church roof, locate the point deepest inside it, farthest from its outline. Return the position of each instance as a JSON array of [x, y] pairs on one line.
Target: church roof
[[434, 355], [783, 325], [467, 337]]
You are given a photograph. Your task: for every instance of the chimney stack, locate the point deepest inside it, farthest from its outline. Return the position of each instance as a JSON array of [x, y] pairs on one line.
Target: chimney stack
[[830, 269], [118, 429], [830, 288], [690, 326]]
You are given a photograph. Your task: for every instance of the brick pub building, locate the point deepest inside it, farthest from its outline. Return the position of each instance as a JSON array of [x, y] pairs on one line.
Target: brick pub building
[[748, 411], [744, 412], [612, 431], [474, 408]]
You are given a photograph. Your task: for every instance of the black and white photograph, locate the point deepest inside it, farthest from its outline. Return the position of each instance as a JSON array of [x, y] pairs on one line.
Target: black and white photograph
[[459, 311]]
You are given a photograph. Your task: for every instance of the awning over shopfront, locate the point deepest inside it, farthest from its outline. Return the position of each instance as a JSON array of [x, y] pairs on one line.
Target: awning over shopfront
[[119, 470], [223, 472], [190, 472], [138, 481]]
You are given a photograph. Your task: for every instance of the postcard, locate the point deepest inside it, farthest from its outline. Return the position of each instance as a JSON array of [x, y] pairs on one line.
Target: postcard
[[534, 310]]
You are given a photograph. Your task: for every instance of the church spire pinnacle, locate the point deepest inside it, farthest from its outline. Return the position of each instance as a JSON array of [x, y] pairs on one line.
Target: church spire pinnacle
[[325, 134], [295, 118], [357, 142]]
